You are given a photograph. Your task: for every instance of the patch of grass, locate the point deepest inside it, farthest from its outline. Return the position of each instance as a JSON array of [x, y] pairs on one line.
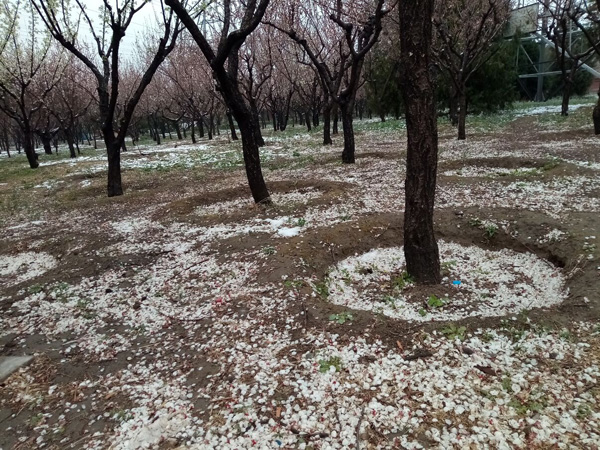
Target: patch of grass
[[35, 289], [400, 282], [454, 332], [301, 222], [550, 164], [269, 250], [490, 230], [475, 222], [435, 302], [326, 364], [342, 317], [322, 288], [533, 404]]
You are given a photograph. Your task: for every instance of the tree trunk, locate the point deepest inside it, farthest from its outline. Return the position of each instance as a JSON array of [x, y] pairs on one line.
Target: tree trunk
[[566, 95], [256, 119], [462, 115], [596, 115], [307, 118], [234, 136], [47, 143], [335, 120], [327, 125], [32, 157], [315, 117], [193, 131], [69, 139], [348, 153], [113, 151], [201, 127], [178, 130], [209, 125], [420, 247], [453, 106]]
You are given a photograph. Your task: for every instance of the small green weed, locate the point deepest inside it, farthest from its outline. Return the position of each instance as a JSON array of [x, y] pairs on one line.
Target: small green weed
[[322, 288], [326, 364], [434, 302], [453, 332], [269, 250], [35, 288], [342, 317], [401, 281], [491, 230]]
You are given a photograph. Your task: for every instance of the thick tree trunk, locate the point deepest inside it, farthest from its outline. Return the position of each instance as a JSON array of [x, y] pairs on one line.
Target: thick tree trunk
[[566, 95], [315, 117], [32, 157], [201, 127], [462, 115], [420, 247], [307, 118], [178, 130], [70, 144], [256, 124], [47, 143], [209, 127], [193, 131], [327, 125], [234, 136], [596, 116], [335, 120], [113, 151], [348, 152]]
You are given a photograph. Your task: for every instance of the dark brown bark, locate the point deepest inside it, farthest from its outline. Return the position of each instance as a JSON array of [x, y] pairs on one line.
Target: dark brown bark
[[348, 152], [307, 119], [113, 151], [566, 95], [234, 136], [420, 247], [327, 125], [70, 143], [47, 143], [462, 115], [32, 157], [335, 120]]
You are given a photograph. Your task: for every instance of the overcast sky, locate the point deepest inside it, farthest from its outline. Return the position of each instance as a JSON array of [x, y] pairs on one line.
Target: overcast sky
[[143, 21]]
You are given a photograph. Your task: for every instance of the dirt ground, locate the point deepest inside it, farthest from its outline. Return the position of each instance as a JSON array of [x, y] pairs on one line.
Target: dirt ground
[[72, 396]]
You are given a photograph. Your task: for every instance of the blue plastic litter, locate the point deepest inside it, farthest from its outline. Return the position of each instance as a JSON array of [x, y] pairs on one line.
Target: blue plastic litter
[[456, 282]]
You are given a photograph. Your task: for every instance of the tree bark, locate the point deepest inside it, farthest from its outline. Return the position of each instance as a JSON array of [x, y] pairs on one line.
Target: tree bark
[[234, 136], [47, 143], [256, 125], [462, 115], [69, 139], [193, 131], [420, 247], [327, 125], [596, 115], [335, 120], [348, 152], [307, 118], [32, 157], [566, 95]]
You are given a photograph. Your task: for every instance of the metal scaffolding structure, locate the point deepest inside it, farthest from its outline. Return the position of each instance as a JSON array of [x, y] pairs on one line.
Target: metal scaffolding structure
[[530, 22]]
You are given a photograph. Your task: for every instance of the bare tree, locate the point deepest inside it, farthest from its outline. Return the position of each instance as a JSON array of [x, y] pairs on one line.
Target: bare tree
[[465, 31], [26, 77], [223, 58], [585, 16], [338, 58], [106, 66], [571, 52]]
